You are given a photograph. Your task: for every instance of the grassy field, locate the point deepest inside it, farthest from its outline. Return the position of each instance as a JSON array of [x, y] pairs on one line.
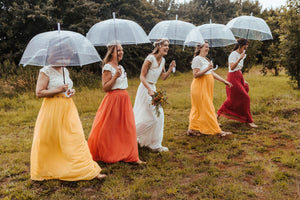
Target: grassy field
[[262, 163]]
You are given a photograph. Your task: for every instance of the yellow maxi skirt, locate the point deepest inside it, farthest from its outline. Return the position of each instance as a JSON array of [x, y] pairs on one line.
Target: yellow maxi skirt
[[59, 149], [202, 115]]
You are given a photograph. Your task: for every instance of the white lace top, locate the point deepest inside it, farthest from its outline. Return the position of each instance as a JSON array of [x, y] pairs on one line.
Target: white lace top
[[55, 78], [121, 82], [201, 63], [154, 71], [233, 57]]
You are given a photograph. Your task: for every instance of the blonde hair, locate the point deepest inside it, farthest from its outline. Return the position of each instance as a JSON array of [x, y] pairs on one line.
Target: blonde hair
[[198, 48], [110, 50], [157, 44]]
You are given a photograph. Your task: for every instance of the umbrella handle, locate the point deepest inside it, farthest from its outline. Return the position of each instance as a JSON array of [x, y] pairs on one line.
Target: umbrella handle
[[63, 70]]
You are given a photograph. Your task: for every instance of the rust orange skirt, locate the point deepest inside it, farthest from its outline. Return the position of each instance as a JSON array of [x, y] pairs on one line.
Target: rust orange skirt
[[113, 135]]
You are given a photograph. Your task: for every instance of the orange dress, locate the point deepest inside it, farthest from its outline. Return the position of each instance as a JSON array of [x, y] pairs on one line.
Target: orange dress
[[113, 135]]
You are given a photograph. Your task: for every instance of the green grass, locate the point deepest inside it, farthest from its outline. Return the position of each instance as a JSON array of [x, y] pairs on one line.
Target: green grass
[[262, 163]]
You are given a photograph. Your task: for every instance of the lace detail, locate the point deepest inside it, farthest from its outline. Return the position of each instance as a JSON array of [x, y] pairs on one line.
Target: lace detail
[[55, 78], [200, 63], [155, 69], [121, 82]]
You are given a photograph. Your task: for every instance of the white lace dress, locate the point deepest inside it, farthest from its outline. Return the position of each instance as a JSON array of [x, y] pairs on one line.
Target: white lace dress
[[149, 127]]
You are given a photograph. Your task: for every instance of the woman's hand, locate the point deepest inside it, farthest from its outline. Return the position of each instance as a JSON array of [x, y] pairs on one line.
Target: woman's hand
[[151, 92], [172, 65], [118, 72], [71, 92], [228, 84], [242, 55], [210, 66], [64, 88]]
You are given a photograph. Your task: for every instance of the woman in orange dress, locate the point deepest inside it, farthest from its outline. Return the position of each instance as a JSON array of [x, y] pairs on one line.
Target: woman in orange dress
[[202, 116], [113, 135]]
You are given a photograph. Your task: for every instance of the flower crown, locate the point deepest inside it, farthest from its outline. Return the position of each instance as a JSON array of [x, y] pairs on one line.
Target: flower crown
[[159, 41]]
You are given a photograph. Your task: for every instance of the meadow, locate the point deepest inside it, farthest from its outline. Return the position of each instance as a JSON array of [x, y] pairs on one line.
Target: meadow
[[261, 163]]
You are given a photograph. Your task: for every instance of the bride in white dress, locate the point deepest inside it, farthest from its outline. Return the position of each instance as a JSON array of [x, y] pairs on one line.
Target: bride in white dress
[[149, 127]]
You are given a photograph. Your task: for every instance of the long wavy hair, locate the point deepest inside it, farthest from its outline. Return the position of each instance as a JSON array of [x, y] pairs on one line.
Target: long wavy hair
[[157, 44], [198, 48], [110, 50], [240, 42]]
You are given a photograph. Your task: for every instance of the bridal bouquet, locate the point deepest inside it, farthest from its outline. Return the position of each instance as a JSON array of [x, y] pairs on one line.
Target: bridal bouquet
[[158, 100]]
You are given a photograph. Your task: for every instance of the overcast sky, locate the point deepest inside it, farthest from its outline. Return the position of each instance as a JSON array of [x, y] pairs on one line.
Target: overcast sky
[[266, 4]]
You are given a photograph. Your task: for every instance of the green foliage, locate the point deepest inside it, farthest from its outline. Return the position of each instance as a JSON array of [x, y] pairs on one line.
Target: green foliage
[[290, 40]]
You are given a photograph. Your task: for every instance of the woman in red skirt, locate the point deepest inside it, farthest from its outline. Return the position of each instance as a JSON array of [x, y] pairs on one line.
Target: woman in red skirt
[[113, 135], [237, 104]]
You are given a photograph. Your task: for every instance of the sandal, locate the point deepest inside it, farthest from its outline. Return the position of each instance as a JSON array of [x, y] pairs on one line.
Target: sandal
[[252, 125], [139, 162], [193, 133], [101, 176], [223, 134]]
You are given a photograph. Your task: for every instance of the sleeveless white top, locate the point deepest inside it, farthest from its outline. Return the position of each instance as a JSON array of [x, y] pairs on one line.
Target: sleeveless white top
[[233, 58], [56, 79], [201, 63], [121, 82], [154, 71]]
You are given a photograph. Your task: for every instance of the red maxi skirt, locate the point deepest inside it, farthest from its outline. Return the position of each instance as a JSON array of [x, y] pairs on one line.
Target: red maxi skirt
[[237, 104], [113, 135]]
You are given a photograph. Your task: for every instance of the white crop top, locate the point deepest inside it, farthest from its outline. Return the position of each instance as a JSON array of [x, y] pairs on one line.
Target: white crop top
[[201, 63], [121, 82], [56, 79], [154, 71], [233, 58]]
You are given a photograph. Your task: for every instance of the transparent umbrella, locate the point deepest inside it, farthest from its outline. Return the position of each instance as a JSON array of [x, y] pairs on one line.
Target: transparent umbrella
[[218, 35], [250, 27], [47, 47], [121, 30], [175, 30]]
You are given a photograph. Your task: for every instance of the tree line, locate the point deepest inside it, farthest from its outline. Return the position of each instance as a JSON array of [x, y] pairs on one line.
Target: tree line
[[23, 19]]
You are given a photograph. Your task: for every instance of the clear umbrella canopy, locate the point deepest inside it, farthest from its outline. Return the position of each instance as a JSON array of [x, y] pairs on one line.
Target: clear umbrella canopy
[[175, 30], [193, 38], [59, 48], [217, 35], [121, 30], [250, 27]]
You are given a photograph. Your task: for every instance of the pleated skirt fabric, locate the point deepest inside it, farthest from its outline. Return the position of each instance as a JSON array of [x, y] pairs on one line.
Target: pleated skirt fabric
[[202, 115], [113, 135], [59, 149], [237, 103]]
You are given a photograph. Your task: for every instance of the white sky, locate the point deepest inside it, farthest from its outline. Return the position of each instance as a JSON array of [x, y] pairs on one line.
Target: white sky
[[266, 4]]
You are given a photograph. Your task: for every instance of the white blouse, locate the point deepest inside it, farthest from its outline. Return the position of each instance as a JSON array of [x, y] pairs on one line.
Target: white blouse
[[233, 58], [121, 82], [155, 70], [56, 79], [201, 63]]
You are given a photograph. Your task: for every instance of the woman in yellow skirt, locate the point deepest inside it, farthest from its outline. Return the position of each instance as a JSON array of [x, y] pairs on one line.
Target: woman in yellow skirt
[[202, 116], [59, 149]]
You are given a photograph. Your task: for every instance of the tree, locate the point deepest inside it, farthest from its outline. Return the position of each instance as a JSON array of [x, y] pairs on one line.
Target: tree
[[290, 40]]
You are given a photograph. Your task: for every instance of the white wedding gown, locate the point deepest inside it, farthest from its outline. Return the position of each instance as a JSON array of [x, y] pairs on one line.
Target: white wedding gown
[[149, 127]]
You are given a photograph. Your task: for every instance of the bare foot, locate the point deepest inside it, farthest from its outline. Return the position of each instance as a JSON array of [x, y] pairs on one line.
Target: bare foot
[[101, 176], [252, 125]]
